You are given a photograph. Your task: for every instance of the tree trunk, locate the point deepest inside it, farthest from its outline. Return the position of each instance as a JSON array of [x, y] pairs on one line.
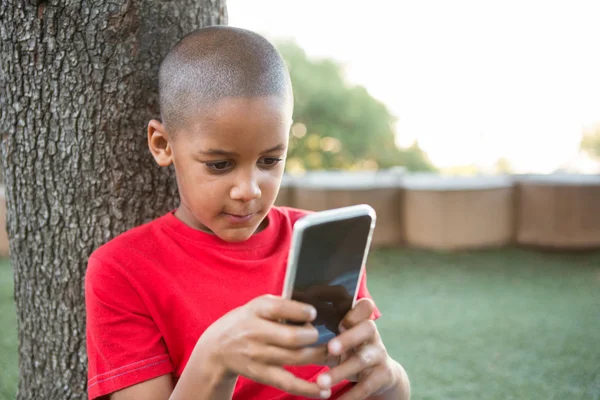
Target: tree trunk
[[78, 83]]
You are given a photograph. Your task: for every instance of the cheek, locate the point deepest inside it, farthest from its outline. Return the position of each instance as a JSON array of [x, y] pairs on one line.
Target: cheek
[[206, 197], [271, 180], [186, 171], [200, 185]]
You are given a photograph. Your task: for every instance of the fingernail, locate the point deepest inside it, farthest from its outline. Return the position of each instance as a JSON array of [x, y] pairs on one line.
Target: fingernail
[[324, 380], [325, 394], [312, 312], [335, 347]]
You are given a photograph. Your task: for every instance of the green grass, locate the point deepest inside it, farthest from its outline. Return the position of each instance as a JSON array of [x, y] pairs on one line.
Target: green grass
[[8, 334], [505, 324]]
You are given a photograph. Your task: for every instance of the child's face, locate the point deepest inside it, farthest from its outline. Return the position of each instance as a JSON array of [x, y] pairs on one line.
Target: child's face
[[229, 164]]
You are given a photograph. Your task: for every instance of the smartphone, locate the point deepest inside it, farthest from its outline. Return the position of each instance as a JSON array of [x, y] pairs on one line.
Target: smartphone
[[327, 256]]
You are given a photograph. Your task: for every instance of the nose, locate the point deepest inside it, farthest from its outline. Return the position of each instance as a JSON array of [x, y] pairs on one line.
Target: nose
[[246, 189]]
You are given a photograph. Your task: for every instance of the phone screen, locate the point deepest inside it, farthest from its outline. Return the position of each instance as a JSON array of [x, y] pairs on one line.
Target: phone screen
[[328, 270]]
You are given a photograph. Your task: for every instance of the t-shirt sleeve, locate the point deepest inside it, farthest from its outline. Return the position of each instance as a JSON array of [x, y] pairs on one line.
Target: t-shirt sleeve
[[124, 344]]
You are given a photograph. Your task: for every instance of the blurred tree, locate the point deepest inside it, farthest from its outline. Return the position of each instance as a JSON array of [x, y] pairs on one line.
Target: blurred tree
[[78, 83], [503, 166], [338, 126], [462, 170], [590, 142]]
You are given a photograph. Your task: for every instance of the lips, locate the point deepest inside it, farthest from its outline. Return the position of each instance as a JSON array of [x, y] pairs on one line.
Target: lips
[[239, 217], [240, 214]]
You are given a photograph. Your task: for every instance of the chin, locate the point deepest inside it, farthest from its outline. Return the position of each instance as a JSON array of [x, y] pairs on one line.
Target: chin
[[236, 236]]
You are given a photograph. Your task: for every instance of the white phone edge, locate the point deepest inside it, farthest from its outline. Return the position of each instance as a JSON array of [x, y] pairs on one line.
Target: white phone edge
[[317, 218]]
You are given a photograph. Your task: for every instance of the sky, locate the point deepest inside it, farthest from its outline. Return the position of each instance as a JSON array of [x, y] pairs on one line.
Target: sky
[[472, 81]]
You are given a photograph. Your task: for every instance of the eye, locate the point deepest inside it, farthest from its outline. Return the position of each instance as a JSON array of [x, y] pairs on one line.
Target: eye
[[219, 166], [270, 161]]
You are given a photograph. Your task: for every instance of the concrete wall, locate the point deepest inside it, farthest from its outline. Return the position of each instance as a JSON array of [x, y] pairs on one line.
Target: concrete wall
[[558, 212], [430, 211], [458, 213]]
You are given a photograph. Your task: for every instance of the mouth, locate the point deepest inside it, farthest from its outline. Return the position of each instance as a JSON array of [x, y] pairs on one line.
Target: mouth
[[238, 218]]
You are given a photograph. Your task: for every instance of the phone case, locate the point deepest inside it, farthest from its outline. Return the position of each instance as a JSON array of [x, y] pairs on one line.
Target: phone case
[[321, 217]]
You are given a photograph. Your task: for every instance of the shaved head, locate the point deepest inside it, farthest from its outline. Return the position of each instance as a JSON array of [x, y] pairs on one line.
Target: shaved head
[[215, 62]]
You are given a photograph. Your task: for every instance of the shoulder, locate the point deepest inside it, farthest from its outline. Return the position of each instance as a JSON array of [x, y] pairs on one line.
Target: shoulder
[[125, 249], [136, 237]]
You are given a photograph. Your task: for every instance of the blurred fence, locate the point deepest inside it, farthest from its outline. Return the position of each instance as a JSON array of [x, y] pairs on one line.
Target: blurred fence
[[438, 212], [451, 213]]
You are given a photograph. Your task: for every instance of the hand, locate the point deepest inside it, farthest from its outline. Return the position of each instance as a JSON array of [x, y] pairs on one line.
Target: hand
[[362, 356], [249, 341]]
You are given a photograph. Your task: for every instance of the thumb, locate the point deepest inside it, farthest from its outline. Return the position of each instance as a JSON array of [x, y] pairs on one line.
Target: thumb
[[362, 310]]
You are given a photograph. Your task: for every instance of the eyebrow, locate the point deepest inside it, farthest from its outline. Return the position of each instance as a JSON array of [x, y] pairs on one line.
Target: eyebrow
[[219, 152]]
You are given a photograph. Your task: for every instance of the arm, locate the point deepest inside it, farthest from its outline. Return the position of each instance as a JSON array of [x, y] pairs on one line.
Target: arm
[[248, 342], [364, 359], [159, 388], [196, 382], [401, 388], [204, 379]]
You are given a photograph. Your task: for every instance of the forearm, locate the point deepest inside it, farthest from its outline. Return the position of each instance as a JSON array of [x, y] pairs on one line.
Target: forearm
[[401, 388], [203, 380]]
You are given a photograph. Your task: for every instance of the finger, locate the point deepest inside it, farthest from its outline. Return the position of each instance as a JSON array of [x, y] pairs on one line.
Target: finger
[[276, 308], [286, 336], [353, 338], [362, 310], [332, 361], [286, 381], [279, 356], [371, 385], [369, 356]]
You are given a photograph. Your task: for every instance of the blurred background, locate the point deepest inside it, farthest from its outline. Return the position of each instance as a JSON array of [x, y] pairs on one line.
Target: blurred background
[[483, 86], [473, 129]]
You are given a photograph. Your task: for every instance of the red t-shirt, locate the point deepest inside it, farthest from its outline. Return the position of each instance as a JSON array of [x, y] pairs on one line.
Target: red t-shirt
[[151, 292]]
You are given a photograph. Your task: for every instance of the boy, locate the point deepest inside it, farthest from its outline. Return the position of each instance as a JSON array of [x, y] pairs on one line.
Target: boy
[[186, 306]]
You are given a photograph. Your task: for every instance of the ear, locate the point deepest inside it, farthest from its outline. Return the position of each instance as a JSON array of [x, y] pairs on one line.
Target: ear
[[159, 143]]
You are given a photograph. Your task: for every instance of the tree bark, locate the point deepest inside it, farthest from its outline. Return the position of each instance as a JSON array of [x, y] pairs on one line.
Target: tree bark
[[78, 84]]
